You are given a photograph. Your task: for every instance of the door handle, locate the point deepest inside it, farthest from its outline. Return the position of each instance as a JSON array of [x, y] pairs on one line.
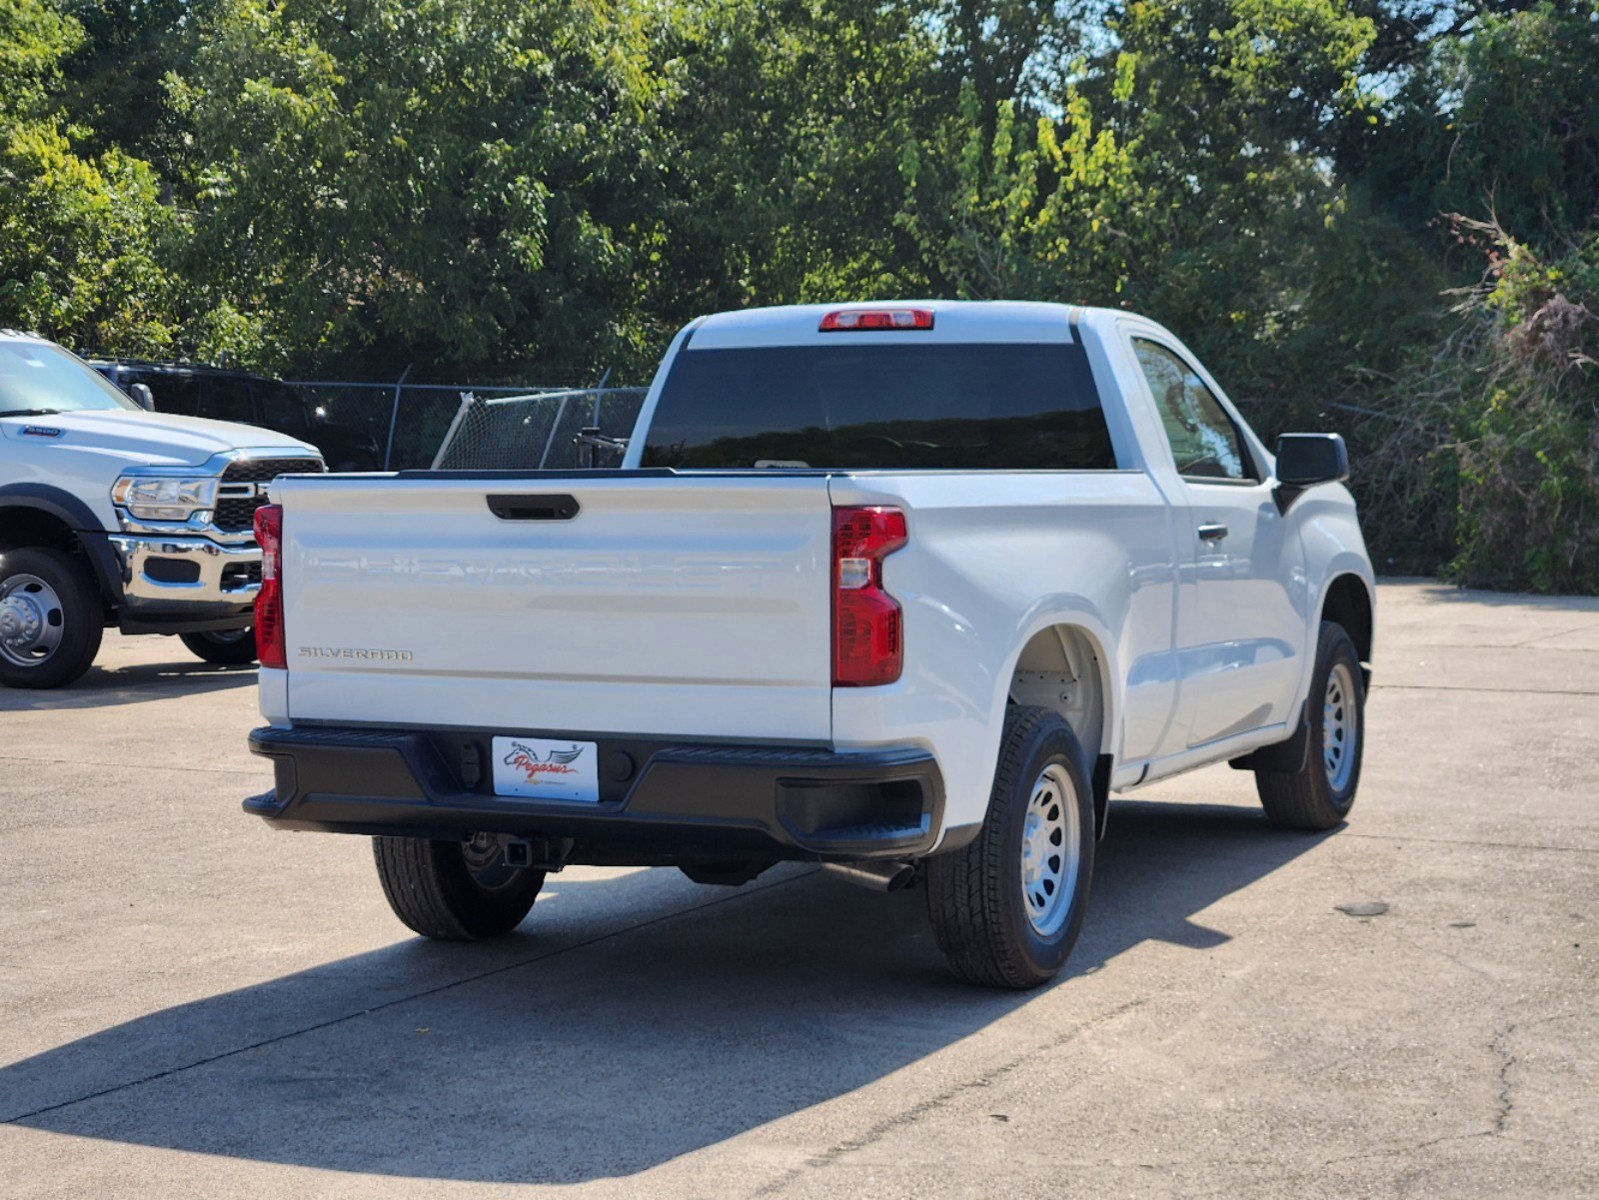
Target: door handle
[[1212, 531]]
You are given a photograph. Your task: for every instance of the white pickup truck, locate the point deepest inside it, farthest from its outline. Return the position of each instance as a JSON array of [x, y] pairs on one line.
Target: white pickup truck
[[905, 589], [112, 515]]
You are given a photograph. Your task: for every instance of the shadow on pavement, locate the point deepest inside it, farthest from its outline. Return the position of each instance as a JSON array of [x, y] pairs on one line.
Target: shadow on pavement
[[106, 687], [609, 1056], [1449, 593]]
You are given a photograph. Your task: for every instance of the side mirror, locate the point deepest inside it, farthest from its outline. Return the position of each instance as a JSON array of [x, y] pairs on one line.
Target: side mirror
[[1306, 459], [142, 396]]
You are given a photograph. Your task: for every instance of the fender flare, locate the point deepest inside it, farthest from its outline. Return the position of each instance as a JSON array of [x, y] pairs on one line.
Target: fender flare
[[80, 522]]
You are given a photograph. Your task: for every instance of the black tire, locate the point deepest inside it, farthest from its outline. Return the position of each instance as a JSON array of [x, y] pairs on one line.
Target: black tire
[[226, 648], [1316, 797], [77, 611], [976, 896], [432, 888]]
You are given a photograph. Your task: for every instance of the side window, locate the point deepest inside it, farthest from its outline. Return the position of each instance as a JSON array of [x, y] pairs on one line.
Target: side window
[[281, 407], [227, 399], [1204, 440], [173, 393]]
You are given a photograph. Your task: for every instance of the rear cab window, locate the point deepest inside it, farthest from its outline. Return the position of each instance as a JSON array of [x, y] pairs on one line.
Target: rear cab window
[[949, 406]]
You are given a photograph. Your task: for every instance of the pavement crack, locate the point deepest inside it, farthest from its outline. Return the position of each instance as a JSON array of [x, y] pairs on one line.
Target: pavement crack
[[1532, 642], [1506, 1101], [1489, 691], [1427, 841], [134, 766], [938, 1100], [1504, 1096], [168, 1072]]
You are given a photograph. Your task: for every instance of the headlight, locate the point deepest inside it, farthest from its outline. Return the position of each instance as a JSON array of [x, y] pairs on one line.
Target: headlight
[[164, 497]]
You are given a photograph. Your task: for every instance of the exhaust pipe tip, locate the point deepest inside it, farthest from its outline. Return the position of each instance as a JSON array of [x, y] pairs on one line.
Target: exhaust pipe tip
[[878, 875]]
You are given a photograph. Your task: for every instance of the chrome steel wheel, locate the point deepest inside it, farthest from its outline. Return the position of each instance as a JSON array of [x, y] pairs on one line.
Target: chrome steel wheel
[[1339, 727], [31, 620], [1050, 850]]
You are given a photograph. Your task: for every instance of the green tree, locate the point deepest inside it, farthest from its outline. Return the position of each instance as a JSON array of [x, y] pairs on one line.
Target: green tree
[[780, 149], [1024, 211], [388, 182], [79, 234]]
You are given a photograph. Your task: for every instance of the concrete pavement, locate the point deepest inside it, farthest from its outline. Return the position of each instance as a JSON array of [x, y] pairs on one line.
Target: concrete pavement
[[194, 1005]]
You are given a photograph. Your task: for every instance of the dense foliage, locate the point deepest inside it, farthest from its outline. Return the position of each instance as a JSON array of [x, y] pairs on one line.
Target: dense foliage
[[1380, 216]]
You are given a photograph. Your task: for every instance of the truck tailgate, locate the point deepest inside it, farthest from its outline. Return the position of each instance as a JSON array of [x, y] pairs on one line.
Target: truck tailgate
[[679, 606]]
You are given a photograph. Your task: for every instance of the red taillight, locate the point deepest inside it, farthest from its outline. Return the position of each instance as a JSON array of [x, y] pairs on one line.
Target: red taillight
[[269, 643], [848, 320], [867, 638]]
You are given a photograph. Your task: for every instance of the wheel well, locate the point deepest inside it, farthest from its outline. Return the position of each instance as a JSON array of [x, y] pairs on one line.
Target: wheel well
[[1060, 668], [1349, 605], [21, 527]]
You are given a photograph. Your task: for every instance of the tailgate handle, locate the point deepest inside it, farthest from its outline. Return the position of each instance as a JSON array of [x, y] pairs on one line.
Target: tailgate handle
[[533, 508]]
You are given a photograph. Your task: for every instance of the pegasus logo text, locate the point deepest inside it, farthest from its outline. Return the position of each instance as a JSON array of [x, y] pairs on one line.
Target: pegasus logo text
[[527, 760]]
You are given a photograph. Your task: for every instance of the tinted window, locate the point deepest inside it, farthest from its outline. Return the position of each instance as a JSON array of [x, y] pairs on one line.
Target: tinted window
[[173, 393], [227, 399], [1204, 440], [962, 407], [280, 405]]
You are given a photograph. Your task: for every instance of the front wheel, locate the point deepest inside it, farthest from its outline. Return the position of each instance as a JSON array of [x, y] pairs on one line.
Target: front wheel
[[1320, 794], [454, 891], [1008, 908], [51, 618], [225, 647]]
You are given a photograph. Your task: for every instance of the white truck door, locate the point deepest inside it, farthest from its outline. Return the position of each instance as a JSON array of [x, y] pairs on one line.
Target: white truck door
[[1240, 631]]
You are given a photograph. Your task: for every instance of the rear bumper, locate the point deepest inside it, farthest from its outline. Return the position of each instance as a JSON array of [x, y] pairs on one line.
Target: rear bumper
[[659, 802]]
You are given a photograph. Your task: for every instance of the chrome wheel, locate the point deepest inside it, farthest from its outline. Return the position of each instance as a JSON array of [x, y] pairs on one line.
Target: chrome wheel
[[1050, 837], [31, 620], [1339, 729]]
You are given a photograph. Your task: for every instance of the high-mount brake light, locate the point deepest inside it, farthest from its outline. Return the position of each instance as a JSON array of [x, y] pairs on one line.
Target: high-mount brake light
[[868, 640], [861, 320], [270, 647]]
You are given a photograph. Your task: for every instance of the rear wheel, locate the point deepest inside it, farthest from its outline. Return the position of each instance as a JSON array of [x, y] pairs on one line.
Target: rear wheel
[[455, 891], [51, 618], [1320, 794], [1008, 908], [225, 647]]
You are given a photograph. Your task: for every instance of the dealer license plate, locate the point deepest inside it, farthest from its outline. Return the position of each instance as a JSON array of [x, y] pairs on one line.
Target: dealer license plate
[[546, 770]]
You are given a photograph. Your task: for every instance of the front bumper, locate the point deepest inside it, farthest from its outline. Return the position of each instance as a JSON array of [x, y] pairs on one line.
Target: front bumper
[[192, 581], [659, 802]]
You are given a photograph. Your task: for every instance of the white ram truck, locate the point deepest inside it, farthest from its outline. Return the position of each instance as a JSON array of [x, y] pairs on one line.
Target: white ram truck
[[113, 515], [905, 589]]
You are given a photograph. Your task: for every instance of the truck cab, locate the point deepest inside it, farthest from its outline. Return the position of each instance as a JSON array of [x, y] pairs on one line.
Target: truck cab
[[114, 516]]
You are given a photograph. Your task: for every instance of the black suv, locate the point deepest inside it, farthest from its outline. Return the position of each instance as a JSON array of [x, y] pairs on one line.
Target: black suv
[[223, 395]]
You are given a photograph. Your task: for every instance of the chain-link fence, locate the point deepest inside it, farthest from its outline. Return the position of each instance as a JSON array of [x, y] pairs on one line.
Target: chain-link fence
[[557, 430], [393, 426]]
